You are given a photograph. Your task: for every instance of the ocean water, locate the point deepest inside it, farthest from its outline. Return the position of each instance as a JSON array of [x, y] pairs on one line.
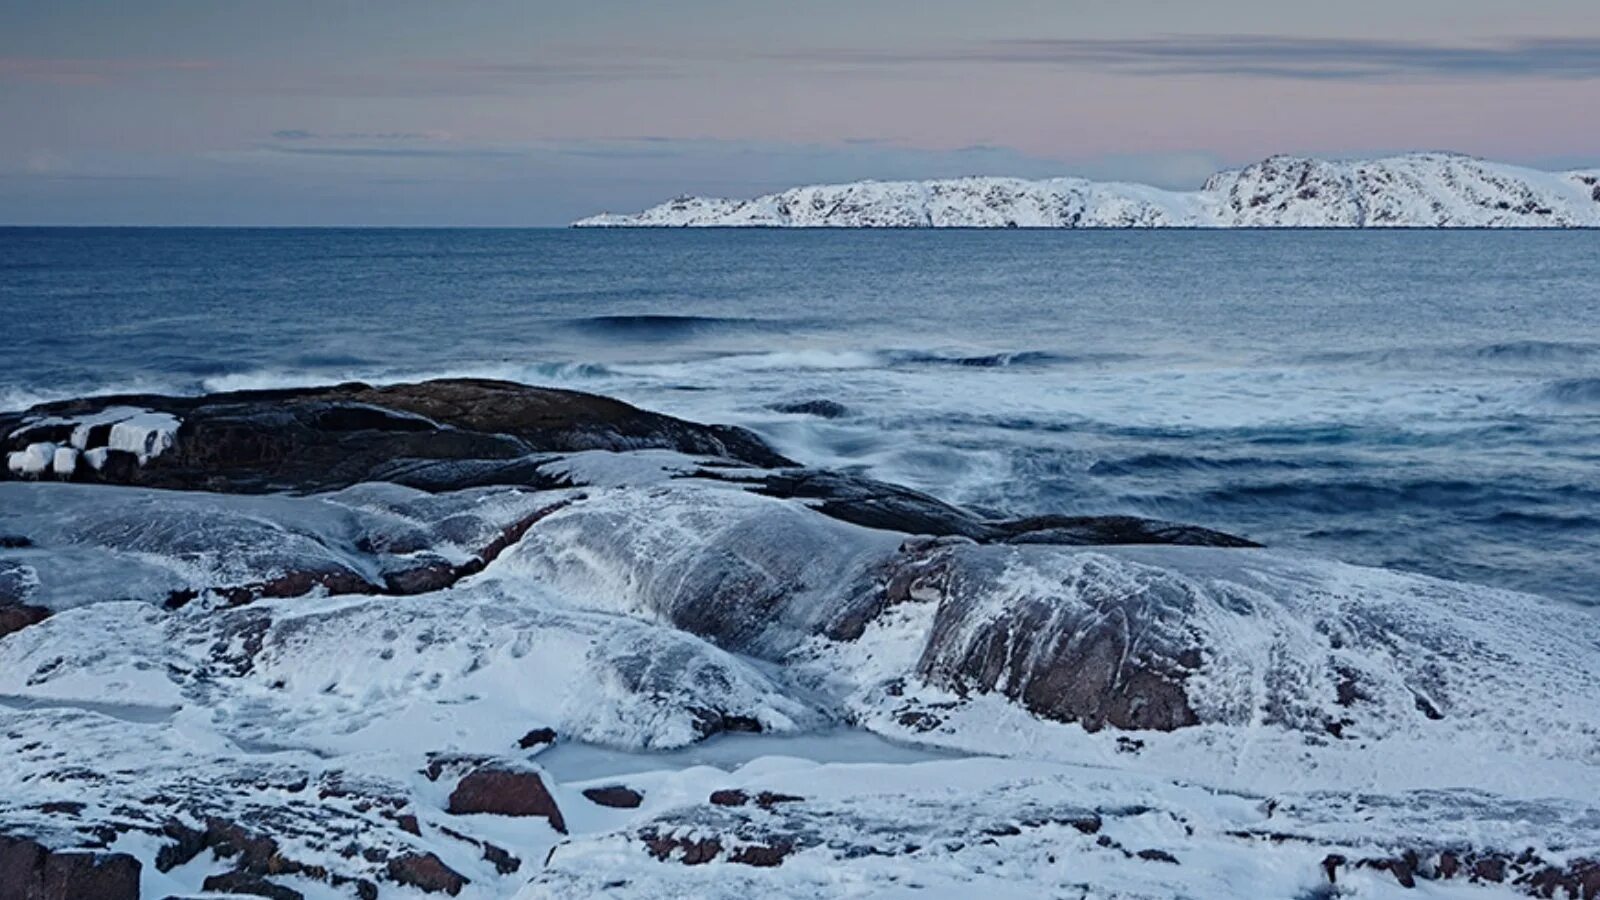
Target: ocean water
[[1419, 400]]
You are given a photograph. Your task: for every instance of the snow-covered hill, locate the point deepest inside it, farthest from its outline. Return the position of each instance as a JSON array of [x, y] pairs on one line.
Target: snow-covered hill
[[1419, 190]]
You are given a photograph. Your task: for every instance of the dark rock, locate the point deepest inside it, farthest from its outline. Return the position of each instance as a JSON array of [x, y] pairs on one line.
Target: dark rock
[[873, 504], [769, 799], [1449, 864], [1111, 530], [254, 852], [31, 871], [761, 855], [891, 507], [426, 872], [185, 844], [1157, 856], [505, 792], [312, 439], [501, 859], [694, 851], [539, 737], [1489, 869], [729, 797], [708, 722], [253, 885], [822, 409], [14, 542], [615, 796], [63, 807], [17, 616]]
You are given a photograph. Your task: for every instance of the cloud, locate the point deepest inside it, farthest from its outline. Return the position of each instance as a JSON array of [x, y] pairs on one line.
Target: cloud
[[1270, 56], [400, 152], [302, 134], [89, 72]]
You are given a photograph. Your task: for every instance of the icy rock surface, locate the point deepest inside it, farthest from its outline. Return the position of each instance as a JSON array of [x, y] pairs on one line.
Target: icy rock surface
[[287, 692], [1423, 190]]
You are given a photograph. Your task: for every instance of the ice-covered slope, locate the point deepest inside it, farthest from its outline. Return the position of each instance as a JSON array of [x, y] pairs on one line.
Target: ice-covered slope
[[1420, 190]]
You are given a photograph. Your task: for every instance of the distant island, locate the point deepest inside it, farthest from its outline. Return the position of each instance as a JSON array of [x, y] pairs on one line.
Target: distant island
[[1417, 190]]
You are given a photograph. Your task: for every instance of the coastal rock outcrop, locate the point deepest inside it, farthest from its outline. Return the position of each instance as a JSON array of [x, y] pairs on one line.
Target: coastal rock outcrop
[[253, 668]]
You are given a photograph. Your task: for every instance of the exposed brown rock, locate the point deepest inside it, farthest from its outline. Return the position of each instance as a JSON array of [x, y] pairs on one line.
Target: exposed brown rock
[[729, 797], [253, 885], [505, 792], [689, 851], [426, 872], [1577, 879], [615, 796], [31, 871], [761, 855], [1071, 668], [17, 616]]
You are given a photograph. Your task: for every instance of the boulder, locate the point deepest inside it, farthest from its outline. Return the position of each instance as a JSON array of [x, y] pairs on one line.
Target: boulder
[[504, 790], [426, 872], [615, 796], [31, 871]]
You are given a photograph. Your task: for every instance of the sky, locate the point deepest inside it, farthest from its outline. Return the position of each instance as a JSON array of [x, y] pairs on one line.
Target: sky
[[492, 112]]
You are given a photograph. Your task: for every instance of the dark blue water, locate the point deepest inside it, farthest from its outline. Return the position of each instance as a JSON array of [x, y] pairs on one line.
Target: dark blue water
[[1428, 401]]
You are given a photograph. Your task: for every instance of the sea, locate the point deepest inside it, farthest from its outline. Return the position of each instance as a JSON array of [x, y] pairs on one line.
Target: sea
[[1421, 400]]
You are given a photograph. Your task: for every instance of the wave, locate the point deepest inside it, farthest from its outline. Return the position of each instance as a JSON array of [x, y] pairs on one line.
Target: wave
[[1573, 392], [654, 327], [1500, 352], [1162, 463], [1016, 358]]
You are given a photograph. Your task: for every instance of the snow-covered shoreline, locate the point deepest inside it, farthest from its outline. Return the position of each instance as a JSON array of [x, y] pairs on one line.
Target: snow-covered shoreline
[[1421, 190], [234, 668]]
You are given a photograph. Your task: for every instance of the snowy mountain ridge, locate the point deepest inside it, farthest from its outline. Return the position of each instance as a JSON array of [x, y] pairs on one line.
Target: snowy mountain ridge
[[1417, 190]]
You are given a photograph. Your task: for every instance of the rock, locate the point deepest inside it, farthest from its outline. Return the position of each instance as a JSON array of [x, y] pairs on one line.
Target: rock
[[615, 796], [891, 507], [1111, 531], [1157, 856], [1066, 654], [17, 616], [31, 871], [822, 409], [687, 850], [503, 791], [426, 872], [769, 799], [539, 737], [501, 859], [761, 855], [438, 435], [729, 797], [253, 885]]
